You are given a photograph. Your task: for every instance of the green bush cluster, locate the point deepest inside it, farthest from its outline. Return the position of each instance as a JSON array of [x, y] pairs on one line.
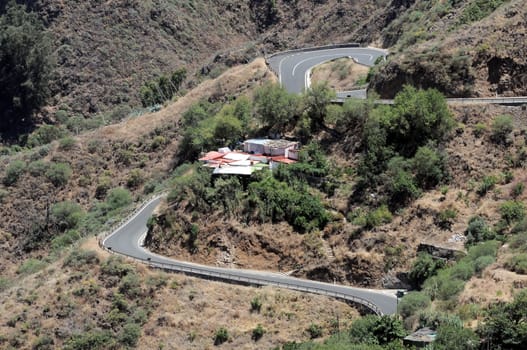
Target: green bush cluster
[[399, 144], [14, 170], [277, 201], [501, 127], [45, 134], [450, 281], [504, 324], [478, 9], [59, 174], [163, 88], [207, 127]]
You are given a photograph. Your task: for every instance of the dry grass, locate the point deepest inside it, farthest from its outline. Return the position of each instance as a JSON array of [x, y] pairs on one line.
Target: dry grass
[[185, 312], [340, 74], [232, 82]]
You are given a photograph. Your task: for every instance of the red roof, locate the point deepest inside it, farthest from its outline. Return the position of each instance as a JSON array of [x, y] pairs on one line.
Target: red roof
[[281, 159], [212, 155]]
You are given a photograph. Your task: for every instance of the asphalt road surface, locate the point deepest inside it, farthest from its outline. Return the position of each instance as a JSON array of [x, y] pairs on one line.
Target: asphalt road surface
[[294, 68], [126, 240]]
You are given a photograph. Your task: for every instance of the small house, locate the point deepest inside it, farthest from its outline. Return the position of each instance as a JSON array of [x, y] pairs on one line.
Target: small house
[[270, 147]]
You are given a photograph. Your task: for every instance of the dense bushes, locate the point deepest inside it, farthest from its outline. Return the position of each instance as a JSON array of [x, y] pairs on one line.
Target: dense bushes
[[13, 172], [163, 88], [504, 324], [206, 127], [266, 198], [276, 201], [400, 145], [26, 65]]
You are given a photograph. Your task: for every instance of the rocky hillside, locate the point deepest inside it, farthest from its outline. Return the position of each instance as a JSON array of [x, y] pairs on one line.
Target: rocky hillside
[[463, 48], [107, 50]]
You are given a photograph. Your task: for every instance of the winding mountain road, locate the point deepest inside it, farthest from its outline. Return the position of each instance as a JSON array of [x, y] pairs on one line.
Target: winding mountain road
[[294, 67], [126, 240]]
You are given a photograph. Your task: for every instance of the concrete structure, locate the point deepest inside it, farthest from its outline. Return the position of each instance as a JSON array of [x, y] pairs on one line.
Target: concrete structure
[[270, 147], [421, 338]]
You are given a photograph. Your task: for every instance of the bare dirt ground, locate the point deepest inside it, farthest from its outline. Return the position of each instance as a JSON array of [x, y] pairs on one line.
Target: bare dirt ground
[[185, 311], [341, 74]]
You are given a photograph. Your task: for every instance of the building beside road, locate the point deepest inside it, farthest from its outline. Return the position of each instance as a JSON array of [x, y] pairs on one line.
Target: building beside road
[[257, 154]]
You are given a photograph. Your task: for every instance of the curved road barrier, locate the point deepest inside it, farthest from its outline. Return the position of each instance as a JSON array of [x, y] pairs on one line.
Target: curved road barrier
[[127, 240]]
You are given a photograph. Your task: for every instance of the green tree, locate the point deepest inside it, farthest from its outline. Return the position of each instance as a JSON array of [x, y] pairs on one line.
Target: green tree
[[451, 337], [276, 108], [424, 267], [66, 215], [317, 100], [26, 65], [118, 198], [413, 302], [419, 116], [504, 324], [429, 166]]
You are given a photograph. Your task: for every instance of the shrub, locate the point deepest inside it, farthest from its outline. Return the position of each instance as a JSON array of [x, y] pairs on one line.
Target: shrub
[[517, 189], [482, 262], [463, 270], [221, 336], [413, 302], [450, 337], [135, 179], [314, 330], [487, 184], [79, 258], [129, 335], [501, 127], [115, 266], [479, 129], [44, 135], [478, 230], [58, 174], [478, 9], [379, 216], [64, 240], [118, 198], [67, 143], [429, 166], [488, 248], [38, 168], [445, 218], [518, 263], [256, 304], [43, 342], [443, 286], [258, 332], [424, 267], [13, 172], [31, 266], [3, 194], [512, 211], [93, 340], [130, 285], [66, 215]]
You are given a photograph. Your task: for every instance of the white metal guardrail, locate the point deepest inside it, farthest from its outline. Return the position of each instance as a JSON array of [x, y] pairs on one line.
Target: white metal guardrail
[[520, 100], [226, 276]]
